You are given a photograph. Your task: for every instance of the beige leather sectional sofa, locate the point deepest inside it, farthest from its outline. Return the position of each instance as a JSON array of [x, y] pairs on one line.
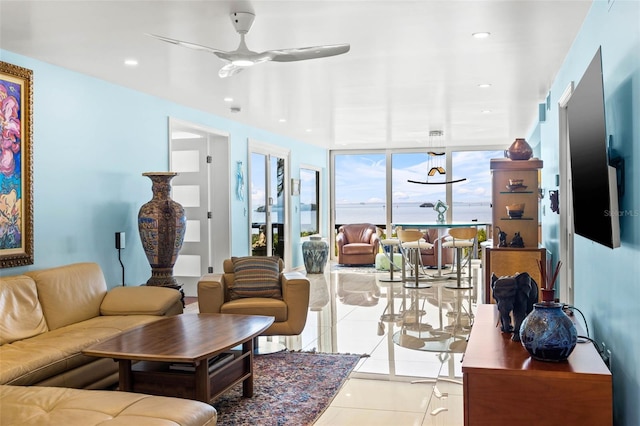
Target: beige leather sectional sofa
[[47, 318]]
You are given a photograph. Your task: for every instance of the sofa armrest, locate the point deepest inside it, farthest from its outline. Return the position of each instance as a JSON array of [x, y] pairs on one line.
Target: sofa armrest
[[141, 300], [295, 293], [211, 289]]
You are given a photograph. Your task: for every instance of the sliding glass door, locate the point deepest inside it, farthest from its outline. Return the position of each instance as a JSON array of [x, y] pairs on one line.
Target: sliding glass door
[[269, 203]]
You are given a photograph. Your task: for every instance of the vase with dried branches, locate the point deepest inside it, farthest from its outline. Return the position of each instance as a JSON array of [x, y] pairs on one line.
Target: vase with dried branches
[[547, 333]]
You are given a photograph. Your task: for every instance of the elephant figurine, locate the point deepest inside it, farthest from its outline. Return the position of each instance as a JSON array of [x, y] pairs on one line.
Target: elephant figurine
[[515, 293]]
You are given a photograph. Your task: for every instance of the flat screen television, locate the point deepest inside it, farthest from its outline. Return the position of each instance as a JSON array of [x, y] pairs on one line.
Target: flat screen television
[[594, 180]]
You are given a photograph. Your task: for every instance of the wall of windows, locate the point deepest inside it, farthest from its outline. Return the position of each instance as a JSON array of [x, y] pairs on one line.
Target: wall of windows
[[365, 183], [359, 188], [471, 199]]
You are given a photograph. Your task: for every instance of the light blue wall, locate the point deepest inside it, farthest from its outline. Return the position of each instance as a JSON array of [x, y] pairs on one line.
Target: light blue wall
[[92, 142], [607, 283]]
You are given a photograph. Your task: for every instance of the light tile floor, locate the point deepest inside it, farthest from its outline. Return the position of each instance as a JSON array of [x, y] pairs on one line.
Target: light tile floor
[[398, 382], [346, 307]]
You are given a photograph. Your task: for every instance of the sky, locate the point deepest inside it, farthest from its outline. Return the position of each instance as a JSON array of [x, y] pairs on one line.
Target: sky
[[360, 178]]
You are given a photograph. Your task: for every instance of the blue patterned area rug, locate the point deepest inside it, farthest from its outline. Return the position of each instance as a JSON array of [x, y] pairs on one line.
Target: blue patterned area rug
[[289, 388]]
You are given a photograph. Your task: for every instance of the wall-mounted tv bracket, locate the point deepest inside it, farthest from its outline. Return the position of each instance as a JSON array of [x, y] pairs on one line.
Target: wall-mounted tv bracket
[[617, 161]]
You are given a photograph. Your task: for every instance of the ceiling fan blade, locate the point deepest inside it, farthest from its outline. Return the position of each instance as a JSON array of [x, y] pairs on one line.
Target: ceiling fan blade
[[229, 70], [190, 45], [303, 53]]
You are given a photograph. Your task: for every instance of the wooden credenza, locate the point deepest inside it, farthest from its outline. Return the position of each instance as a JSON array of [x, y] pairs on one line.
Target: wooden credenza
[[503, 385]]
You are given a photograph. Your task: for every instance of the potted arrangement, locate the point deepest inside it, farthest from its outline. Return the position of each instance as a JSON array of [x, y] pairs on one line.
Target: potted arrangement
[[547, 333]]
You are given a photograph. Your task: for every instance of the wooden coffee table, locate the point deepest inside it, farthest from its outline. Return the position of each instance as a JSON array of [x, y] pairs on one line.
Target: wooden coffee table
[[150, 355]]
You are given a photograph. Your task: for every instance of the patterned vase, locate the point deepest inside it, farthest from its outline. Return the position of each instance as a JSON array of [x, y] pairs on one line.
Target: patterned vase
[[547, 333], [161, 224], [315, 252]]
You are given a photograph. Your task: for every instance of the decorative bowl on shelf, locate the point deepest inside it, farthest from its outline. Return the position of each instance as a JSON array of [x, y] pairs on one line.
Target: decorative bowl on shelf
[[514, 188], [516, 182], [515, 210]]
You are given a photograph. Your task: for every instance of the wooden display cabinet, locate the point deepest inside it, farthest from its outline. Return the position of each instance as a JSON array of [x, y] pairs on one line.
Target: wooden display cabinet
[[510, 260], [504, 169]]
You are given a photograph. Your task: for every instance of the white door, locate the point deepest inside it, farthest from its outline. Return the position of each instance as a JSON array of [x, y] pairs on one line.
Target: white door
[[200, 157]]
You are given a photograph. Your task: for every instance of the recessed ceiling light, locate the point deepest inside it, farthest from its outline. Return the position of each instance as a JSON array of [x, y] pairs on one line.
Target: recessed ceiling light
[[481, 34], [283, 120], [486, 111], [131, 62], [308, 130], [228, 99], [484, 85]]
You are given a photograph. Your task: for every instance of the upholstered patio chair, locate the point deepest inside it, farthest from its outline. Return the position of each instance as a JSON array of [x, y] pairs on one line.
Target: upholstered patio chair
[[257, 285], [358, 244]]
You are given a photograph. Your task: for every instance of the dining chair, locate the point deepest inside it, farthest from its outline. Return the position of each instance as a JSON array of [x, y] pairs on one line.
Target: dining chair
[[411, 242]]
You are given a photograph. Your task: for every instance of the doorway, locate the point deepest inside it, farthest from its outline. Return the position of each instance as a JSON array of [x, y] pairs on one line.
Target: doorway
[[200, 156], [269, 204]]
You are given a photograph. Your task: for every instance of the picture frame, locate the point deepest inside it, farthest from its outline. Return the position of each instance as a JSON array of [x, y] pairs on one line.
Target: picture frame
[[16, 166]]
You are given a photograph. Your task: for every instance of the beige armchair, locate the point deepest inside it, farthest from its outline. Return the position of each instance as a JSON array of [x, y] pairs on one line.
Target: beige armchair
[[358, 244], [218, 293]]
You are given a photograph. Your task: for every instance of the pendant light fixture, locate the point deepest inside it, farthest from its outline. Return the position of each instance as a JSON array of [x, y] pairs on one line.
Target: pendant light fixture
[[436, 161]]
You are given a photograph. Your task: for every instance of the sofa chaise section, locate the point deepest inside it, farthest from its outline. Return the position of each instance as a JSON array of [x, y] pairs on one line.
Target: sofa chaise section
[[35, 405]]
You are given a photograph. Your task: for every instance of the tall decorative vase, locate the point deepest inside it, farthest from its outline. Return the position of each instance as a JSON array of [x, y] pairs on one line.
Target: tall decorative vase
[[161, 224], [547, 333]]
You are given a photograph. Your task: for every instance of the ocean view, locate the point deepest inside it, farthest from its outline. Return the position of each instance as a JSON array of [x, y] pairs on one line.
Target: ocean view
[[409, 212], [402, 212]]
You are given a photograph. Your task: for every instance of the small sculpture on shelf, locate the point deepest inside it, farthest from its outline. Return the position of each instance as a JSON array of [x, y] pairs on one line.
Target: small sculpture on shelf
[[502, 237], [517, 241]]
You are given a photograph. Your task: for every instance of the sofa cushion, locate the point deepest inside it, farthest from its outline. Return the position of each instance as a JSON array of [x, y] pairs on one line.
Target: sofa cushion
[[257, 306], [70, 294], [141, 300], [38, 405], [358, 248], [255, 276], [21, 311], [29, 361]]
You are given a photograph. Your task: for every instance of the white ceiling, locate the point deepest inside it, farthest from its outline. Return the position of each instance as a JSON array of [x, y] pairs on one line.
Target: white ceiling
[[413, 65]]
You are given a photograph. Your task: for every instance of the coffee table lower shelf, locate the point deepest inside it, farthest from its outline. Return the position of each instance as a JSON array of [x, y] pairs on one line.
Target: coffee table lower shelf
[[157, 378]]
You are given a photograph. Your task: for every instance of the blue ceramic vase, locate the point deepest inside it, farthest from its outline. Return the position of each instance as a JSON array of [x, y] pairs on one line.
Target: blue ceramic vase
[[547, 333], [315, 253]]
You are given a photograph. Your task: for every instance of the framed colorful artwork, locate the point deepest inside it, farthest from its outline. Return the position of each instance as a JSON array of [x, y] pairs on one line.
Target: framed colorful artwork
[[16, 166]]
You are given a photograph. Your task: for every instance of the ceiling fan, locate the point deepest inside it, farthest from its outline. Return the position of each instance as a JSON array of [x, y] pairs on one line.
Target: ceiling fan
[[242, 57]]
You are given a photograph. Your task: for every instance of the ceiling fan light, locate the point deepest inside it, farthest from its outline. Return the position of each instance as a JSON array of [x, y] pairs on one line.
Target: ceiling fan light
[[242, 62], [482, 34]]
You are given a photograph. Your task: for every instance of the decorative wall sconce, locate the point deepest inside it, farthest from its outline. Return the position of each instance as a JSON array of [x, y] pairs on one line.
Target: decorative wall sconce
[[295, 187], [555, 204], [239, 181]]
